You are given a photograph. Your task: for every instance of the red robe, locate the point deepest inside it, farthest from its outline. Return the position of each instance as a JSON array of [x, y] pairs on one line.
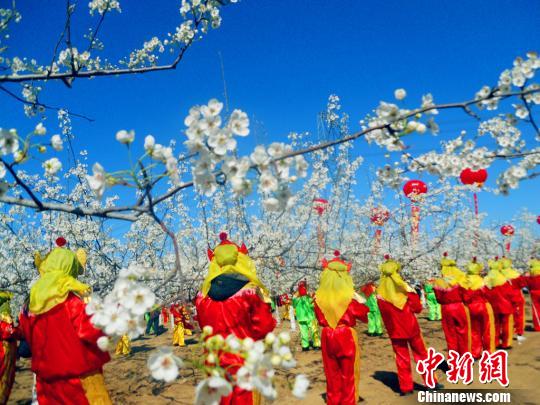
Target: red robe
[[8, 356], [482, 321], [402, 327], [518, 303], [64, 352], [244, 314], [455, 318], [341, 354], [533, 282], [165, 315], [499, 298]]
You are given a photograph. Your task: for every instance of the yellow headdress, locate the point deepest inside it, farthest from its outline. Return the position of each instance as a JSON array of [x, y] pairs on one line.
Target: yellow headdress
[[336, 289], [452, 275], [495, 277], [507, 270], [534, 265], [58, 271], [474, 279], [392, 287], [5, 309], [228, 258]]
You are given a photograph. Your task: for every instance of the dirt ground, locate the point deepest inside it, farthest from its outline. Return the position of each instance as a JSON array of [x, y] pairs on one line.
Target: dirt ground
[[129, 382]]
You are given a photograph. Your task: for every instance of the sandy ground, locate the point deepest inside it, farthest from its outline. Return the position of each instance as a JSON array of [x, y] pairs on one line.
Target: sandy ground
[[129, 382]]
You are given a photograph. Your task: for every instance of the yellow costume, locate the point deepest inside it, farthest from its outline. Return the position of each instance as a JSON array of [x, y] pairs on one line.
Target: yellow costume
[[123, 347]]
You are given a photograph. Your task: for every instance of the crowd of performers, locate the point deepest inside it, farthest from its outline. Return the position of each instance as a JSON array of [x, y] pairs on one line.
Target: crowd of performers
[[478, 313]]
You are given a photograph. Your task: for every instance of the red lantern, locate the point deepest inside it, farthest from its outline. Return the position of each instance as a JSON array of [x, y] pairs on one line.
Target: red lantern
[[320, 205], [507, 230], [470, 177], [379, 216], [538, 219], [414, 188]]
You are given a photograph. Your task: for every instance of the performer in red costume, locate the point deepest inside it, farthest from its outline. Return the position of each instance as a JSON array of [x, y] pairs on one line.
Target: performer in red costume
[[456, 321], [165, 315], [8, 347], [398, 304], [337, 308], [481, 313], [233, 300], [498, 294], [517, 282], [533, 282], [65, 357]]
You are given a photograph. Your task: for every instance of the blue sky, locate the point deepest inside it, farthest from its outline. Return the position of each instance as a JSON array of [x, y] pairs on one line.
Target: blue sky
[[281, 61]]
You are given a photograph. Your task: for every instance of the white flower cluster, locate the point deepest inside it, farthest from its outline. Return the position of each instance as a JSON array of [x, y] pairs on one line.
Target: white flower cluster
[[214, 144], [30, 94], [332, 109], [389, 123], [522, 71], [503, 129], [260, 359], [102, 6], [122, 310], [510, 178], [146, 55], [390, 176], [71, 57]]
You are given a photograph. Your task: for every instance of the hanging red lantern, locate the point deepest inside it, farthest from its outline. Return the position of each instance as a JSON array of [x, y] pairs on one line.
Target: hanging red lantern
[[478, 178], [414, 188], [379, 216], [320, 205], [507, 230], [470, 177]]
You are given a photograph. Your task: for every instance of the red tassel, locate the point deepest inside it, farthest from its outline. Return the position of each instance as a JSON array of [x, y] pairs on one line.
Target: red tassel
[[243, 249], [210, 253]]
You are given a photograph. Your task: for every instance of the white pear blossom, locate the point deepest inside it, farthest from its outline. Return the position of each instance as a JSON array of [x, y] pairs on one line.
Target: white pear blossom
[[211, 390], [301, 384], [400, 94], [139, 300], [103, 343], [164, 365], [40, 129], [57, 143], [52, 166], [98, 180], [125, 137], [9, 141], [149, 143], [239, 123]]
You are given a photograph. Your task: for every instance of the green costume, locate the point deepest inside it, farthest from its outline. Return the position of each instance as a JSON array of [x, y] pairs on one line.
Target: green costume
[[374, 316], [434, 308], [305, 315]]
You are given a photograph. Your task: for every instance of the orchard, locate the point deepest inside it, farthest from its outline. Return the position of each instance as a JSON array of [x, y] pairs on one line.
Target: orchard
[[154, 213]]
